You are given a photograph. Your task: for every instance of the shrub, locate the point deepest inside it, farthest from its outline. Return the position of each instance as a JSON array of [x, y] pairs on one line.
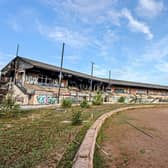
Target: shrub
[[76, 117], [67, 103], [9, 107], [97, 99], [121, 99], [84, 104]]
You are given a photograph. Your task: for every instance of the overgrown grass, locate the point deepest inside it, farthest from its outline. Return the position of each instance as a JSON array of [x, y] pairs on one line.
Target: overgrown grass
[[67, 159], [28, 140], [35, 137], [98, 160]]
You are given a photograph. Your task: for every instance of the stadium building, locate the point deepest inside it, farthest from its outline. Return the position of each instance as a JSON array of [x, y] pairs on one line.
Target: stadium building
[[34, 82]]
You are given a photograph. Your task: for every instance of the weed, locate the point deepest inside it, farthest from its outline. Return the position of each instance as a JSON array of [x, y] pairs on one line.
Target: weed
[[76, 117], [9, 107], [142, 151], [97, 99], [84, 104], [66, 103], [67, 159], [121, 99]]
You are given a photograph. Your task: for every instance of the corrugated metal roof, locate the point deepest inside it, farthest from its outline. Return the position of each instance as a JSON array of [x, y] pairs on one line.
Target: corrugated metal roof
[[79, 74]]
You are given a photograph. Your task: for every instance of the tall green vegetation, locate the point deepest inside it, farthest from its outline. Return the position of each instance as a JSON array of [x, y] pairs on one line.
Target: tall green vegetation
[[97, 99], [76, 117], [121, 99], [66, 103], [8, 106], [84, 104]]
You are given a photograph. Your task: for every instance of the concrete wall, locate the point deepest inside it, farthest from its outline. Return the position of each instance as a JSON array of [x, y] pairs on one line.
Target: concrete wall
[[42, 97], [45, 97], [20, 97]]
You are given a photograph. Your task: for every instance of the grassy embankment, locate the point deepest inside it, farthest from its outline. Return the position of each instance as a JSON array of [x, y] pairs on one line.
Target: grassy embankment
[[39, 137]]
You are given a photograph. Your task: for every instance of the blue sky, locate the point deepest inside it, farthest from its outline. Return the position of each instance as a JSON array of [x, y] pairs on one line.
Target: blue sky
[[128, 37]]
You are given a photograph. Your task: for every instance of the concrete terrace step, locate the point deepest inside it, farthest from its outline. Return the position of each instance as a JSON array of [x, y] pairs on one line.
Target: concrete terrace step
[[44, 88]]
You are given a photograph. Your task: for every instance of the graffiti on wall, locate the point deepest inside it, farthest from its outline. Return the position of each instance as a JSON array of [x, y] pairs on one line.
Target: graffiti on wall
[[46, 99]]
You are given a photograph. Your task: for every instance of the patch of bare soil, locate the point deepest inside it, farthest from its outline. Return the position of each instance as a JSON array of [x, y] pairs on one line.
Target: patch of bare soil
[[136, 139]]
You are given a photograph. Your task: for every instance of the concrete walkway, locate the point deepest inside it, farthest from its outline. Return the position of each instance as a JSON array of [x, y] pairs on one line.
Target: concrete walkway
[[31, 107], [85, 154]]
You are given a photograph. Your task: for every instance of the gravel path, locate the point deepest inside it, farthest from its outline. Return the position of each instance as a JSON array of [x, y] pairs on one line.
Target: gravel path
[[136, 139]]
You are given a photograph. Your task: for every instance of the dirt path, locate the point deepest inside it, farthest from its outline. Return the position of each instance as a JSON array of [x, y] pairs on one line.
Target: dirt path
[[136, 139]]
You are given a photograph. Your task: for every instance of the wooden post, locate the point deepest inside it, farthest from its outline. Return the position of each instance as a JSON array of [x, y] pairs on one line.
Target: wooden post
[[60, 76], [15, 66], [91, 82]]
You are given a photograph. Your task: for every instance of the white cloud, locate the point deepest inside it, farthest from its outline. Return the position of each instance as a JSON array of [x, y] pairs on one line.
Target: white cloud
[[89, 12], [114, 17], [136, 25], [97, 12], [87, 6], [88, 9], [82, 6], [80, 39], [150, 8], [61, 34]]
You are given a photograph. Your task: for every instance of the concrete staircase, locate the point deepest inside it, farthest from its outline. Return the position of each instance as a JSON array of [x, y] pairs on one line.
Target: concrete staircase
[[3, 90]]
